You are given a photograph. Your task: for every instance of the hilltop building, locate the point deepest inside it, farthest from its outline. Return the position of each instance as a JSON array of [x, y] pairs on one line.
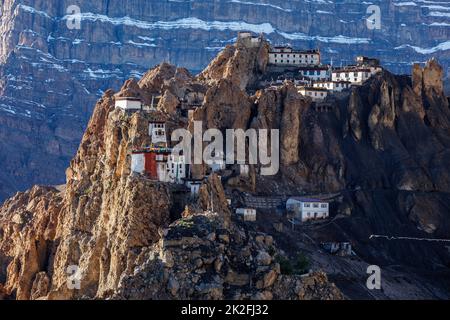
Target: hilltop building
[[159, 164], [286, 56], [128, 103], [157, 132]]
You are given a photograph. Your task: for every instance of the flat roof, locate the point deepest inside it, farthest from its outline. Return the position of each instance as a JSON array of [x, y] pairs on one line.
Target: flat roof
[[314, 68], [351, 69], [128, 98], [348, 82], [306, 199], [312, 88]]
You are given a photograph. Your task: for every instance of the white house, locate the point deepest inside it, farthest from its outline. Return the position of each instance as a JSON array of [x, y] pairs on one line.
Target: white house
[[316, 94], [306, 209], [247, 214], [355, 75], [176, 168], [286, 56], [128, 103], [157, 132], [335, 86], [315, 73]]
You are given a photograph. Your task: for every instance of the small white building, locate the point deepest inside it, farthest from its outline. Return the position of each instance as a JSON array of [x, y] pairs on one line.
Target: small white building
[[335, 86], [128, 103], [286, 56], [316, 94], [157, 133], [356, 75], [176, 168], [247, 214], [307, 209], [315, 73]]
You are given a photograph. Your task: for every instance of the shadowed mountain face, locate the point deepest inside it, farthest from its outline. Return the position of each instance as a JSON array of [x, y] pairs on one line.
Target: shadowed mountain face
[[51, 75]]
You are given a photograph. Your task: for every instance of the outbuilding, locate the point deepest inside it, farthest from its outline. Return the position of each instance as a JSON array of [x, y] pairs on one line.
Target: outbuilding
[[307, 209], [128, 103], [247, 214]]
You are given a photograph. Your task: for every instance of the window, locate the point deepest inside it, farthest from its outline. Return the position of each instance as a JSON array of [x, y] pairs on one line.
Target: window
[[324, 206], [316, 205]]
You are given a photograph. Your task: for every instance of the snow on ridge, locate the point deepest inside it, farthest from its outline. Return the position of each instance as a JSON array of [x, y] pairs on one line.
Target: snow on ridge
[[261, 4], [440, 47], [439, 14], [405, 4], [336, 39], [34, 11]]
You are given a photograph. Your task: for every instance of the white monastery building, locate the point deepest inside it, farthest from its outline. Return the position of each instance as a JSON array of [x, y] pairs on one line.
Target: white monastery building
[[355, 75], [286, 56], [335, 86], [316, 94], [307, 209], [315, 73], [128, 103], [157, 132]]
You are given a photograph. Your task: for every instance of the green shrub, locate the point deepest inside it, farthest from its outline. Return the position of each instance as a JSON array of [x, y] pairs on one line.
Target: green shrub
[[299, 265]]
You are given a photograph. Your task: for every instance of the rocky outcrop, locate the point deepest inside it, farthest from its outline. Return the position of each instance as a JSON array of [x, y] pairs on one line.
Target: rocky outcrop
[[380, 147], [199, 258], [241, 64]]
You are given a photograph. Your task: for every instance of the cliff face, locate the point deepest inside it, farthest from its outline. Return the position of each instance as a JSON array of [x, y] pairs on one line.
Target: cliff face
[[383, 147], [51, 75]]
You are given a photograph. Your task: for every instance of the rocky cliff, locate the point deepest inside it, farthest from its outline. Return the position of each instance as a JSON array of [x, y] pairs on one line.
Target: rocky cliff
[[51, 75], [383, 148]]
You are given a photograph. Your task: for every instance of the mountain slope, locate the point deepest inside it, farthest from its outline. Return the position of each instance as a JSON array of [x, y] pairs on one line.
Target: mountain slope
[[383, 149]]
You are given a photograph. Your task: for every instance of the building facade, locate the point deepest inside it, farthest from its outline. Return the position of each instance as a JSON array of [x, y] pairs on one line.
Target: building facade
[[315, 73], [157, 133], [286, 56], [128, 103], [316, 94], [335, 86], [306, 209], [159, 164]]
